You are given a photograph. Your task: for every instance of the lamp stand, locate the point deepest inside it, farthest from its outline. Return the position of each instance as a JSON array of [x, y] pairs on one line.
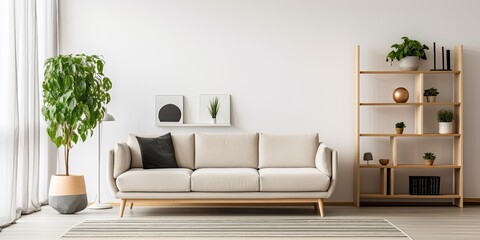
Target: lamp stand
[[98, 204]]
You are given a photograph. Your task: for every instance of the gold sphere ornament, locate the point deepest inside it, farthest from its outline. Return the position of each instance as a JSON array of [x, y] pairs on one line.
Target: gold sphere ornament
[[400, 95]]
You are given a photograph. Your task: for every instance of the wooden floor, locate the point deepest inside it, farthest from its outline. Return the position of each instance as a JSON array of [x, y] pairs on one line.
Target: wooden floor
[[418, 222]]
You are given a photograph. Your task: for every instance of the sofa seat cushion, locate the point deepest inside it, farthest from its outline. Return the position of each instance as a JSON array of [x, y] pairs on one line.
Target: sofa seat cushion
[[155, 180], [293, 180], [225, 180]]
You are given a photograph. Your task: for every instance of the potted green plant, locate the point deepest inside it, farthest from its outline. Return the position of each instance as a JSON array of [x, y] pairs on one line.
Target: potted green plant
[[429, 157], [399, 126], [445, 118], [409, 53], [213, 109], [75, 91], [430, 94]]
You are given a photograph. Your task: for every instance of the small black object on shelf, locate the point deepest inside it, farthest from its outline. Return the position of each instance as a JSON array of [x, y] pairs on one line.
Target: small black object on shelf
[[424, 185], [367, 157], [448, 60], [443, 59]]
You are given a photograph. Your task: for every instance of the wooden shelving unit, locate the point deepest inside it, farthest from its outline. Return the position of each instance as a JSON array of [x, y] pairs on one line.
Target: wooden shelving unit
[[410, 72], [411, 104], [388, 172], [409, 135], [407, 196], [412, 166]]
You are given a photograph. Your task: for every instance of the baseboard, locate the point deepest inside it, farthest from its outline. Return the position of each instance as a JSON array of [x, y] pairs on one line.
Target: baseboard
[[471, 201]]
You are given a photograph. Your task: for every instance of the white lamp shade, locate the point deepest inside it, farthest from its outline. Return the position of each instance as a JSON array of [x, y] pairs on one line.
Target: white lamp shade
[[107, 117]]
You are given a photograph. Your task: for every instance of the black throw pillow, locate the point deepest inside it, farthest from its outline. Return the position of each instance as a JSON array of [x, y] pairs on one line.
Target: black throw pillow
[[157, 152]]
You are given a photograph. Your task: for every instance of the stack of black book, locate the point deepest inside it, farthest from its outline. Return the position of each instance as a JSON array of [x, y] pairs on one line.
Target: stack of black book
[[424, 185]]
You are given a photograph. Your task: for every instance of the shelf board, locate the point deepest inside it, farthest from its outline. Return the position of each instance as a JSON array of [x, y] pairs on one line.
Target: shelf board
[[408, 196], [409, 104], [410, 166], [409, 135], [193, 125], [410, 72]]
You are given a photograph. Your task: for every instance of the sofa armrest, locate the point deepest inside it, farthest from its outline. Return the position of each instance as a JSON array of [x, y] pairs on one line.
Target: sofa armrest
[[326, 161], [333, 180], [112, 185]]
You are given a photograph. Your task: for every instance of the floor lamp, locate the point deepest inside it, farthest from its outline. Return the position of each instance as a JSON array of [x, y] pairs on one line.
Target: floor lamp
[[98, 204]]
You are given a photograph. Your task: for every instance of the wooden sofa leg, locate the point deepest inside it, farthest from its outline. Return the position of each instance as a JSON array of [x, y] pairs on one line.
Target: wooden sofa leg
[[131, 205], [320, 207], [315, 206], [122, 206]]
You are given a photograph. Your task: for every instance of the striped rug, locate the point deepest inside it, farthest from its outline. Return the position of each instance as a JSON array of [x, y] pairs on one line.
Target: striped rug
[[242, 228]]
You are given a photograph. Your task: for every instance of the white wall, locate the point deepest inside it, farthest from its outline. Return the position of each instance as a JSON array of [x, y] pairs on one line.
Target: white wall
[[287, 64]]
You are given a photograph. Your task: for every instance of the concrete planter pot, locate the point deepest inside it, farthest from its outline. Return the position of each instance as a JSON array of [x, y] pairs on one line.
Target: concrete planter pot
[[67, 194], [445, 127], [399, 130], [431, 99], [428, 162], [410, 63]]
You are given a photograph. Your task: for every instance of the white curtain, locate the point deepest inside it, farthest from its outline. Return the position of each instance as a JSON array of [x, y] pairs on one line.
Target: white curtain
[[28, 30]]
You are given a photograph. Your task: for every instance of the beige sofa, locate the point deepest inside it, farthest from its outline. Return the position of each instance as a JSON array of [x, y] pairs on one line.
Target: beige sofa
[[227, 168]]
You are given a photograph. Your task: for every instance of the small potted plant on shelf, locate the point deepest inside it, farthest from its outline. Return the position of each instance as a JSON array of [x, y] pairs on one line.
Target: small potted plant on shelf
[[431, 94], [429, 157], [408, 53], [399, 127], [213, 109], [445, 118]]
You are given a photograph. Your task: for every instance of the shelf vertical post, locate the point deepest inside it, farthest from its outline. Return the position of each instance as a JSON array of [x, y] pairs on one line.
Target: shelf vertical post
[[393, 148], [356, 173], [419, 99], [383, 180], [458, 141]]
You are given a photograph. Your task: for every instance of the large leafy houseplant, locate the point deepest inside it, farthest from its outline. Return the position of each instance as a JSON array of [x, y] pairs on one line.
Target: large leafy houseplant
[[75, 91], [408, 47]]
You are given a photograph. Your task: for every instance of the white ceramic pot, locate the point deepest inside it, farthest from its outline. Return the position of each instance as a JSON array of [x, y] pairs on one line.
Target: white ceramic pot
[[409, 63], [445, 127], [214, 121]]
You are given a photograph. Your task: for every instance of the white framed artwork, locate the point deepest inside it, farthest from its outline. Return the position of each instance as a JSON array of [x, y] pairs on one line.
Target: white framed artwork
[[168, 109], [223, 115]]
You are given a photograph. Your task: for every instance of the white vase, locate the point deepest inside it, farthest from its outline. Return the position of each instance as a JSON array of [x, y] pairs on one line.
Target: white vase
[[445, 127], [214, 121], [410, 63]]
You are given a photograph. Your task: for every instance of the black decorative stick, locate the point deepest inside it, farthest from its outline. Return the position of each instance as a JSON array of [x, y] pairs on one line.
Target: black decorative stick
[[448, 60], [434, 57], [443, 58]]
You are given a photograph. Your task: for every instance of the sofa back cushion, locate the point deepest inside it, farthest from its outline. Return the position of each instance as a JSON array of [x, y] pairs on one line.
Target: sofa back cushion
[[183, 144], [226, 150], [278, 151]]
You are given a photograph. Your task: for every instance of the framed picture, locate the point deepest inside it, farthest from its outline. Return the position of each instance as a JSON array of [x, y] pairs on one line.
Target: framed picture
[[223, 115], [168, 109]]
